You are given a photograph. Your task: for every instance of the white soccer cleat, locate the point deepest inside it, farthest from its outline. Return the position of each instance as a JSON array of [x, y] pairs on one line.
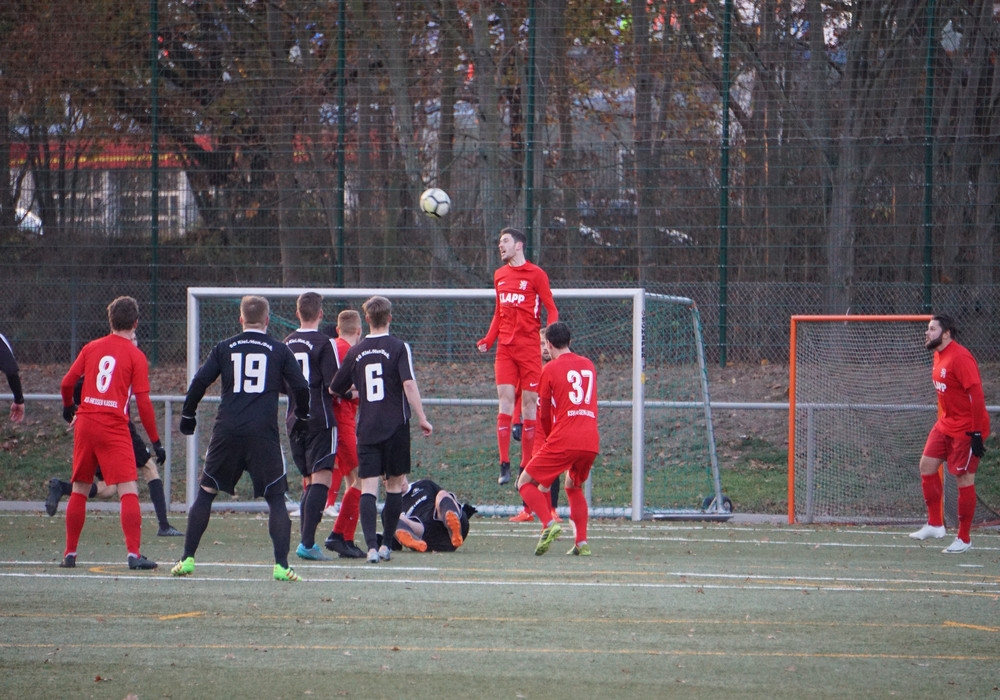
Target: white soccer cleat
[[928, 531], [957, 547]]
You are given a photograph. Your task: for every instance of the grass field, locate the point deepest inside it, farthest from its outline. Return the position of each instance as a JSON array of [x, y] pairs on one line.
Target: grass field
[[661, 610]]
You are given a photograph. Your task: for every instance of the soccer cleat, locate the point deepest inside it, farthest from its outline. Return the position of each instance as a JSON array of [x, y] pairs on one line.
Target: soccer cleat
[[957, 547], [454, 525], [524, 516], [52, 500], [285, 574], [504, 473], [332, 511], [352, 551], [384, 553], [68, 562], [555, 516], [580, 550], [928, 531], [140, 563], [549, 535], [313, 553], [515, 431], [373, 557], [169, 531], [407, 539], [347, 550], [185, 567]]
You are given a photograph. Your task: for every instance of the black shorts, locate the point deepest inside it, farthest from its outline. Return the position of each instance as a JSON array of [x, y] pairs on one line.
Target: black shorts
[[316, 452], [391, 457], [231, 455], [438, 538]]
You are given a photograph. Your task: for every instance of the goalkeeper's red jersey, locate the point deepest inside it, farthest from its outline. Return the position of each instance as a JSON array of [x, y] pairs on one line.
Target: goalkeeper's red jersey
[[961, 404], [521, 292], [567, 404]]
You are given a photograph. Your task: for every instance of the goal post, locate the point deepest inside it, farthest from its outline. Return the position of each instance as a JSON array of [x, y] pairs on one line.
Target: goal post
[[657, 445], [860, 406]]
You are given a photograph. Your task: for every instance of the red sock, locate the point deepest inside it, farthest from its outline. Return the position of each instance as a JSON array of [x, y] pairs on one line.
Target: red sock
[[966, 511], [538, 502], [578, 512], [347, 519], [527, 442], [331, 495], [131, 518], [76, 515], [933, 493], [503, 436]]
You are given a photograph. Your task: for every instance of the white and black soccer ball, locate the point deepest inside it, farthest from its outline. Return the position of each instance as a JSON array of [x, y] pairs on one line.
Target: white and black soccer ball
[[435, 203]]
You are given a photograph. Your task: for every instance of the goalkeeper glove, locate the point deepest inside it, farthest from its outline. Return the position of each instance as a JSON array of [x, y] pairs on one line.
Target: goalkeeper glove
[[300, 429], [978, 448], [188, 424], [69, 412], [161, 454]]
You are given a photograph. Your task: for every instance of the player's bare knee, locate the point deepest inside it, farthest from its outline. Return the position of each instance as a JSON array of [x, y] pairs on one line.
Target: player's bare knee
[[149, 471]]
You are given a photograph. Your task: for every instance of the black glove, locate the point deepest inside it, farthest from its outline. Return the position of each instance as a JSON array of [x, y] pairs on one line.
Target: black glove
[[300, 429], [188, 424], [161, 454], [978, 448], [69, 412]]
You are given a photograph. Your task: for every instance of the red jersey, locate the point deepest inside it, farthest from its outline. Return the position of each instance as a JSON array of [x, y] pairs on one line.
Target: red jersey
[[521, 292], [113, 369], [961, 404], [344, 410], [567, 404]]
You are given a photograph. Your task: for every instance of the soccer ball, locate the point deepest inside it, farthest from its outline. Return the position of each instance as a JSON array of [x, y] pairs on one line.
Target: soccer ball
[[435, 203]]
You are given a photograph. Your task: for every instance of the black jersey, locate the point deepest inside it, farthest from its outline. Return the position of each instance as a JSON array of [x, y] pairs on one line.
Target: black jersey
[[377, 366], [254, 368], [317, 359], [8, 365]]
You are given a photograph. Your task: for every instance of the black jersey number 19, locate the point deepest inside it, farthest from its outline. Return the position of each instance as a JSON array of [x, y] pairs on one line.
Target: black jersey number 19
[[374, 385], [249, 372]]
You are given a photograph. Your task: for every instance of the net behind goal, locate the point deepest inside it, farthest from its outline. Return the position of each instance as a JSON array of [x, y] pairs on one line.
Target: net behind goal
[[657, 448]]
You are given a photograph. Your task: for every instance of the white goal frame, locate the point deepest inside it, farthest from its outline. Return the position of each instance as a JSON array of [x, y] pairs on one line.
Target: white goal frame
[[638, 403]]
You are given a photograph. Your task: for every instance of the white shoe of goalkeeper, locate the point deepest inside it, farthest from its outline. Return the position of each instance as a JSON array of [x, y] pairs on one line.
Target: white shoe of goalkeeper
[[957, 547], [928, 531]]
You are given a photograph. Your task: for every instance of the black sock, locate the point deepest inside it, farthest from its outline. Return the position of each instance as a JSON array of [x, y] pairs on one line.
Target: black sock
[[390, 517], [302, 507], [312, 513], [159, 500], [65, 488], [368, 514], [93, 489], [198, 516], [555, 493], [279, 527]]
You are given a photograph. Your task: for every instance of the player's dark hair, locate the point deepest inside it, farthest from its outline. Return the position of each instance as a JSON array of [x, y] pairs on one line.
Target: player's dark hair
[[348, 322], [310, 306], [557, 335], [515, 233], [123, 313], [254, 310], [377, 311], [947, 323]]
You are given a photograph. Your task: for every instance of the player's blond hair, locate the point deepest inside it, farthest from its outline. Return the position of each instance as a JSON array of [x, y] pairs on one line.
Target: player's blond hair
[[378, 310], [348, 322], [254, 310]]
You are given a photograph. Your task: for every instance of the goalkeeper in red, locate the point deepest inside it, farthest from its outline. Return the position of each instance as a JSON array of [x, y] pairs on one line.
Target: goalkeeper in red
[[957, 436], [522, 288], [567, 411]]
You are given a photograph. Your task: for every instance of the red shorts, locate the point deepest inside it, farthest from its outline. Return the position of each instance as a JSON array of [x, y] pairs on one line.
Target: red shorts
[[519, 365], [547, 464], [110, 446], [955, 451]]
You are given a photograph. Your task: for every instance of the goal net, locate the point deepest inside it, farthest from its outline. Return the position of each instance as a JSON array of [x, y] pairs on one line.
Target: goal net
[[657, 447], [860, 407]]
